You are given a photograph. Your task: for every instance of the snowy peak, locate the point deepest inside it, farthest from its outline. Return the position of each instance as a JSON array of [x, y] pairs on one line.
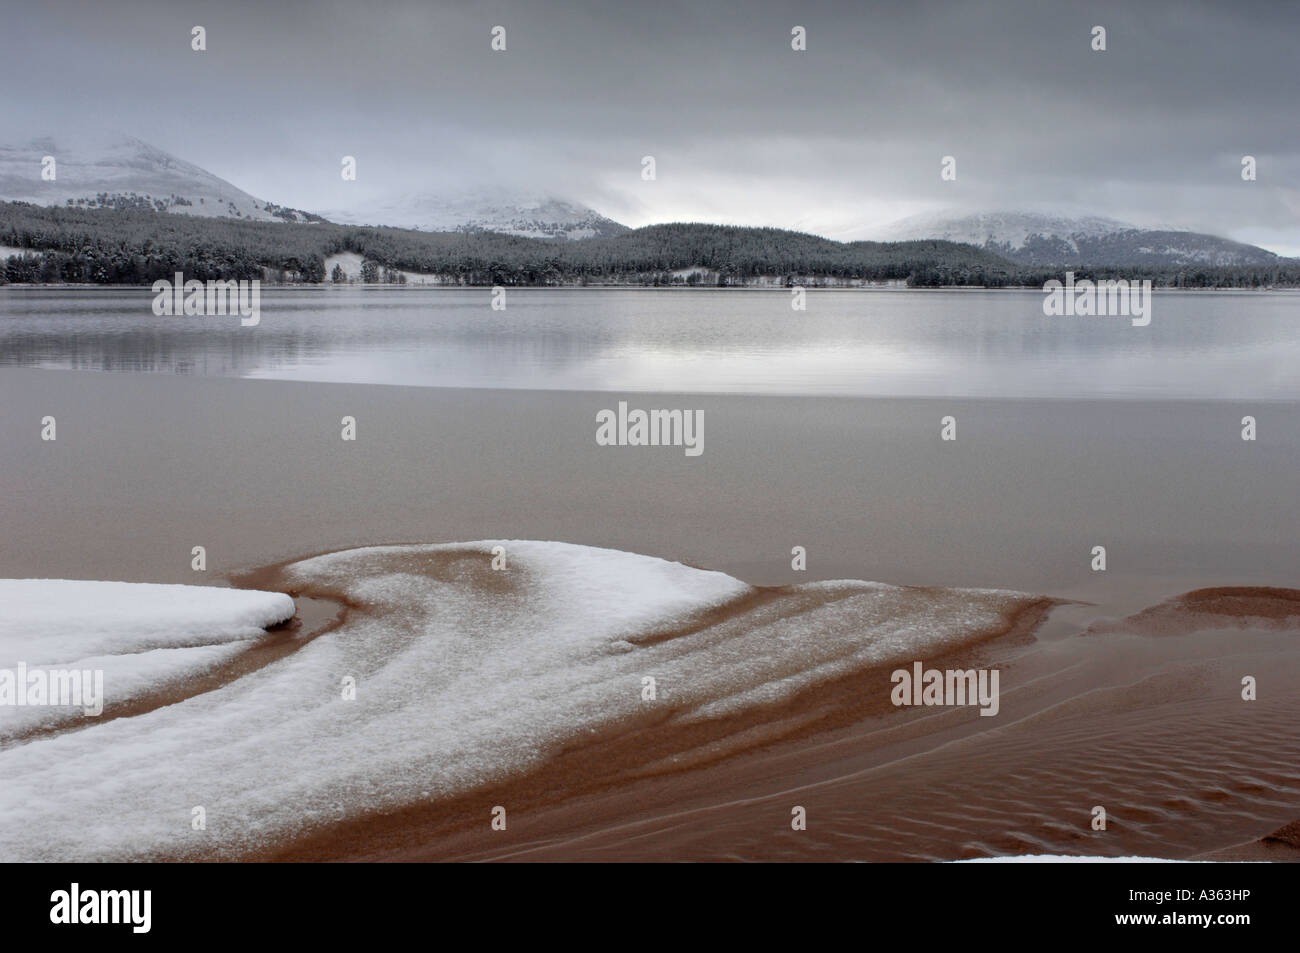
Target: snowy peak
[[1032, 238], [484, 210], [89, 171], [1005, 229], [124, 172]]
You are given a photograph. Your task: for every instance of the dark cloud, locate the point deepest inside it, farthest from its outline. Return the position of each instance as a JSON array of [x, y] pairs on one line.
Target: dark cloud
[[743, 129]]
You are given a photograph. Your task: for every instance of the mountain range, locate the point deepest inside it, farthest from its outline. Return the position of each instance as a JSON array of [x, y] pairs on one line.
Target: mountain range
[[125, 172]]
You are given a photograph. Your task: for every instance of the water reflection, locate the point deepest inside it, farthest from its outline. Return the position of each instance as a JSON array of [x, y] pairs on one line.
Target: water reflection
[[957, 343]]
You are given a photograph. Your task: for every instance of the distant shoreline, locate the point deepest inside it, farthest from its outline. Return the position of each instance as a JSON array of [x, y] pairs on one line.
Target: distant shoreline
[[109, 246], [634, 286]]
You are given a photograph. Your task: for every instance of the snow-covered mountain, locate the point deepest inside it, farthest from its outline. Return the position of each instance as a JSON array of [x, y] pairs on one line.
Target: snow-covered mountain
[[125, 172], [482, 209], [98, 171], [1031, 238]]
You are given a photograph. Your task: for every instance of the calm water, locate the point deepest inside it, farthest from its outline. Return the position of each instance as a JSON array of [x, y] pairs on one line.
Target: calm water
[[865, 343]]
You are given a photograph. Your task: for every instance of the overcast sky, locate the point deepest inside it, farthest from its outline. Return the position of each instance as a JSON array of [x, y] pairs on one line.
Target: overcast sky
[[837, 140]]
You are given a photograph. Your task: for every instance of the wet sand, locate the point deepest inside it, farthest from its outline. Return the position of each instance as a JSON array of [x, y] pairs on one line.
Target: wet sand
[[1153, 730], [146, 466]]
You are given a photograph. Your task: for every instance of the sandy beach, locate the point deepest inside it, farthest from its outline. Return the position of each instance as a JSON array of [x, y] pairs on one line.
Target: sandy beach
[[1120, 689], [1154, 730]]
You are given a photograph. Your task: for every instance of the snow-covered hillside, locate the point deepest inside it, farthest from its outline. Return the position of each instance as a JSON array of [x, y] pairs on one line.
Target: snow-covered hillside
[[124, 172], [999, 228], [1037, 239], [483, 209]]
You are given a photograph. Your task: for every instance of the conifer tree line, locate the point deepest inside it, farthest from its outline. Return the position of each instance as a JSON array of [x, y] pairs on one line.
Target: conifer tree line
[[138, 246]]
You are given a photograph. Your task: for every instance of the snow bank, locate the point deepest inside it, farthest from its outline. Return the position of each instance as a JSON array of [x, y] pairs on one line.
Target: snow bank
[[60, 621], [464, 675], [1070, 859], [142, 637]]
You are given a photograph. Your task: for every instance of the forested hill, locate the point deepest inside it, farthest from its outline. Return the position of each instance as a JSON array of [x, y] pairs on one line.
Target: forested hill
[[112, 246], [127, 247]]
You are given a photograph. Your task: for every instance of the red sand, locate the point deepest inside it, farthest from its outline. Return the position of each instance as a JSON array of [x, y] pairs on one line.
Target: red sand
[[1152, 729]]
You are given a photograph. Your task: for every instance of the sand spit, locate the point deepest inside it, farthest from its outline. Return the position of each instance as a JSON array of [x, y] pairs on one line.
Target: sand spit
[[1256, 607]]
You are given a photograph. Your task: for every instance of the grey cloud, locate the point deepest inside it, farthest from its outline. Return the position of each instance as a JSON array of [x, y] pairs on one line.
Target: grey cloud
[[1152, 129]]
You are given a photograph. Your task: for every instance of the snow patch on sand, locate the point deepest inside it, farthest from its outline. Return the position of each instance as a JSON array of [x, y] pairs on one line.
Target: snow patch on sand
[[142, 637], [464, 676], [1070, 859], [64, 621]]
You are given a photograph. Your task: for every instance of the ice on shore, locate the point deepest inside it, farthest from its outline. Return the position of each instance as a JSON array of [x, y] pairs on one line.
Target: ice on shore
[[463, 676]]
